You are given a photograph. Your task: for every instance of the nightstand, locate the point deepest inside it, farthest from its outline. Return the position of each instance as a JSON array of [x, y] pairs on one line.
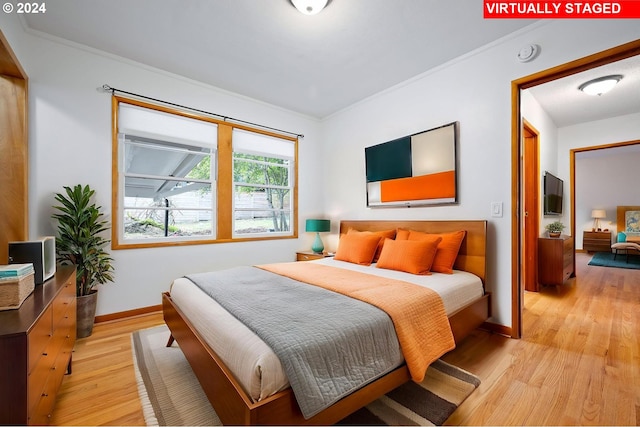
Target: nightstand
[[596, 241], [309, 255]]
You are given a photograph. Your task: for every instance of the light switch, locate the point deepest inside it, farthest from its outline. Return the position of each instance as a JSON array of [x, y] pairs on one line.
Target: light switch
[[496, 209]]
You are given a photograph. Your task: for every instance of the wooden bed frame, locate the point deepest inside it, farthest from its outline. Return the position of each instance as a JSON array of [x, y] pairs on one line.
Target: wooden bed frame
[[234, 406]]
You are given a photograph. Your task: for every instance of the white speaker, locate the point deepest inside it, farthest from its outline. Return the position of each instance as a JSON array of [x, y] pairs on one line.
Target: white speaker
[[41, 253]]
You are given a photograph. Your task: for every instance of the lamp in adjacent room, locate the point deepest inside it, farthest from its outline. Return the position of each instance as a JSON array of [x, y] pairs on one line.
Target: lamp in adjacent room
[[318, 226], [596, 214]]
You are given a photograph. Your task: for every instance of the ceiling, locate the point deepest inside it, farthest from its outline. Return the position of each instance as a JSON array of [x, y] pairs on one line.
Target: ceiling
[[568, 106], [267, 50], [315, 65]]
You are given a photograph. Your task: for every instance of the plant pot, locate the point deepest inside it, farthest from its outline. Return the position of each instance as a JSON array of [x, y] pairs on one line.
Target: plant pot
[[554, 234], [86, 314]]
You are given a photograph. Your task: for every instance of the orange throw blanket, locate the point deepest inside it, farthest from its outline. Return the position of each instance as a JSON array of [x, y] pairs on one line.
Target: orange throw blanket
[[417, 313]]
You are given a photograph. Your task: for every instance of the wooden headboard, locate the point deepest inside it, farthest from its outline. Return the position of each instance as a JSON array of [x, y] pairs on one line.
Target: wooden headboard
[[472, 256], [620, 218]]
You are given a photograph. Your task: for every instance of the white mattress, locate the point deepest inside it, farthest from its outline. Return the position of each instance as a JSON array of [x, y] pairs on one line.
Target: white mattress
[[253, 363]]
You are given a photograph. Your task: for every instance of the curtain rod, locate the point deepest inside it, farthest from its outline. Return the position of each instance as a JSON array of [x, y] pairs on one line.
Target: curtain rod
[[113, 90]]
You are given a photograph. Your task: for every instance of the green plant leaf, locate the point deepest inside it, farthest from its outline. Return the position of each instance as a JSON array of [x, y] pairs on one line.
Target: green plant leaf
[[79, 237]]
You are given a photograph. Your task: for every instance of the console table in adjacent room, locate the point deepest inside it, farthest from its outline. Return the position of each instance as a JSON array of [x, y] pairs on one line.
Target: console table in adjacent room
[[596, 241]]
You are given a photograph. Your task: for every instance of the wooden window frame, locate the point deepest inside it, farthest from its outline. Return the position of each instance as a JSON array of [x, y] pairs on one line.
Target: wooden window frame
[[224, 181], [238, 151]]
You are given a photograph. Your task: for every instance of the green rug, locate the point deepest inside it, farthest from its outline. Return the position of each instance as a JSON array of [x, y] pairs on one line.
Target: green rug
[[606, 259], [171, 395]]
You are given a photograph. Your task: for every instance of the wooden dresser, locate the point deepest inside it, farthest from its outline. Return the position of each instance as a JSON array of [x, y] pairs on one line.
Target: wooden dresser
[[596, 241], [36, 342], [555, 260]]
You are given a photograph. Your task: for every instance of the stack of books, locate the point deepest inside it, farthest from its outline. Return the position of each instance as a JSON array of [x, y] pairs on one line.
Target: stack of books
[[16, 284], [15, 270]]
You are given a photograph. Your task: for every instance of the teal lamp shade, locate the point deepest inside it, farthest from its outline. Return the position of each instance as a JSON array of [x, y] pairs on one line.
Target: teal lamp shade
[[318, 226]]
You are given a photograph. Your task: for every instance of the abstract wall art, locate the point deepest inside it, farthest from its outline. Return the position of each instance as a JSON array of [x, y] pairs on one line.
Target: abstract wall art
[[415, 170]]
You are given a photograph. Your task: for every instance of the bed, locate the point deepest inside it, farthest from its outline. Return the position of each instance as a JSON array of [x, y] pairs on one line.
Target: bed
[[238, 402]]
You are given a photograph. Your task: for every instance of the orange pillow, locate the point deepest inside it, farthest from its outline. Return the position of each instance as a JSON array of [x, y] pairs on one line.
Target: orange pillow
[[357, 248], [447, 249], [386, 234], [402, 234], [411, 256], [447, 252]]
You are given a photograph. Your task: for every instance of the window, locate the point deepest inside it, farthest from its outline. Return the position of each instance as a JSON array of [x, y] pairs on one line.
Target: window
[[263, 184], [165, 176], [186, 179]]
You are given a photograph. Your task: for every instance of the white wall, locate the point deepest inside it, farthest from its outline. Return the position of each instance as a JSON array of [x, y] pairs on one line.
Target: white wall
[[605, 182], [602, 182], [70, 143], [474, 90], [533, 112]]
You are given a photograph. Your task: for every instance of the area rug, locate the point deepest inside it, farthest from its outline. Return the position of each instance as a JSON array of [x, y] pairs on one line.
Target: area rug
[[171, 395], [605, 259]]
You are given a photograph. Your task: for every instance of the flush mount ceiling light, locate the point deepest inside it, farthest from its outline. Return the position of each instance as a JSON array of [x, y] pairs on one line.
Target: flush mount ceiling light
[[309, 7], [600, 85]]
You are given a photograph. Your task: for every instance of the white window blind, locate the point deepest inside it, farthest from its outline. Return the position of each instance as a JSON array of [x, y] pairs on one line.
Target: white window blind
[[262, 145], [154, 124]]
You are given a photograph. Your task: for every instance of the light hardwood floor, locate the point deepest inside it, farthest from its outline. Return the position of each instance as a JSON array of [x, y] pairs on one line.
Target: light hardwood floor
[[101, 389], [578, 363]]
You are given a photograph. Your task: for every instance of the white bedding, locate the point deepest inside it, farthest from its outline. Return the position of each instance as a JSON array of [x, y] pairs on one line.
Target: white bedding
[[253, 363]]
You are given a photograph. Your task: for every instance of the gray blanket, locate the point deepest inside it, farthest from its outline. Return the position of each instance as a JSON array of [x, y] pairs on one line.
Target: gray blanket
[[329, 344]]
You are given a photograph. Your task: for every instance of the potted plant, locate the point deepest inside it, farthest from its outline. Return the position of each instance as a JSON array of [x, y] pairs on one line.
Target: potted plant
[[555, 228], [80, 241]]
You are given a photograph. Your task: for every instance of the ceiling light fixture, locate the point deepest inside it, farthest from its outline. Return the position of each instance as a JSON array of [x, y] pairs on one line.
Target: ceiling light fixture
[[309, 7], [600, 85]]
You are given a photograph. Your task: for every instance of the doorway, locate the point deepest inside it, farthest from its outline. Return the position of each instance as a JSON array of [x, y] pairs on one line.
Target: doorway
[[520, 186], [606, 153]]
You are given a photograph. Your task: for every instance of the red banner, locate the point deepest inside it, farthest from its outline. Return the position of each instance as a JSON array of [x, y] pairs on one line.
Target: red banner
[[624, 9]]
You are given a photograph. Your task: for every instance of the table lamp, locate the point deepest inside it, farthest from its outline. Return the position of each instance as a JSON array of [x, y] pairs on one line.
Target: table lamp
[[318, 226], [596, 214]]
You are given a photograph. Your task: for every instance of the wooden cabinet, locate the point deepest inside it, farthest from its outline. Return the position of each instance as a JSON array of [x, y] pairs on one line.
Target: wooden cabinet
[[36, 342], [596, 241], [309, 256], [14, 148], [555, 260]]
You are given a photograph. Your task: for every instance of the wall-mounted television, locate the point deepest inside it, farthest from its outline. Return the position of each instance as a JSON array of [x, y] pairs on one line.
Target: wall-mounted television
[[553, 192]]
